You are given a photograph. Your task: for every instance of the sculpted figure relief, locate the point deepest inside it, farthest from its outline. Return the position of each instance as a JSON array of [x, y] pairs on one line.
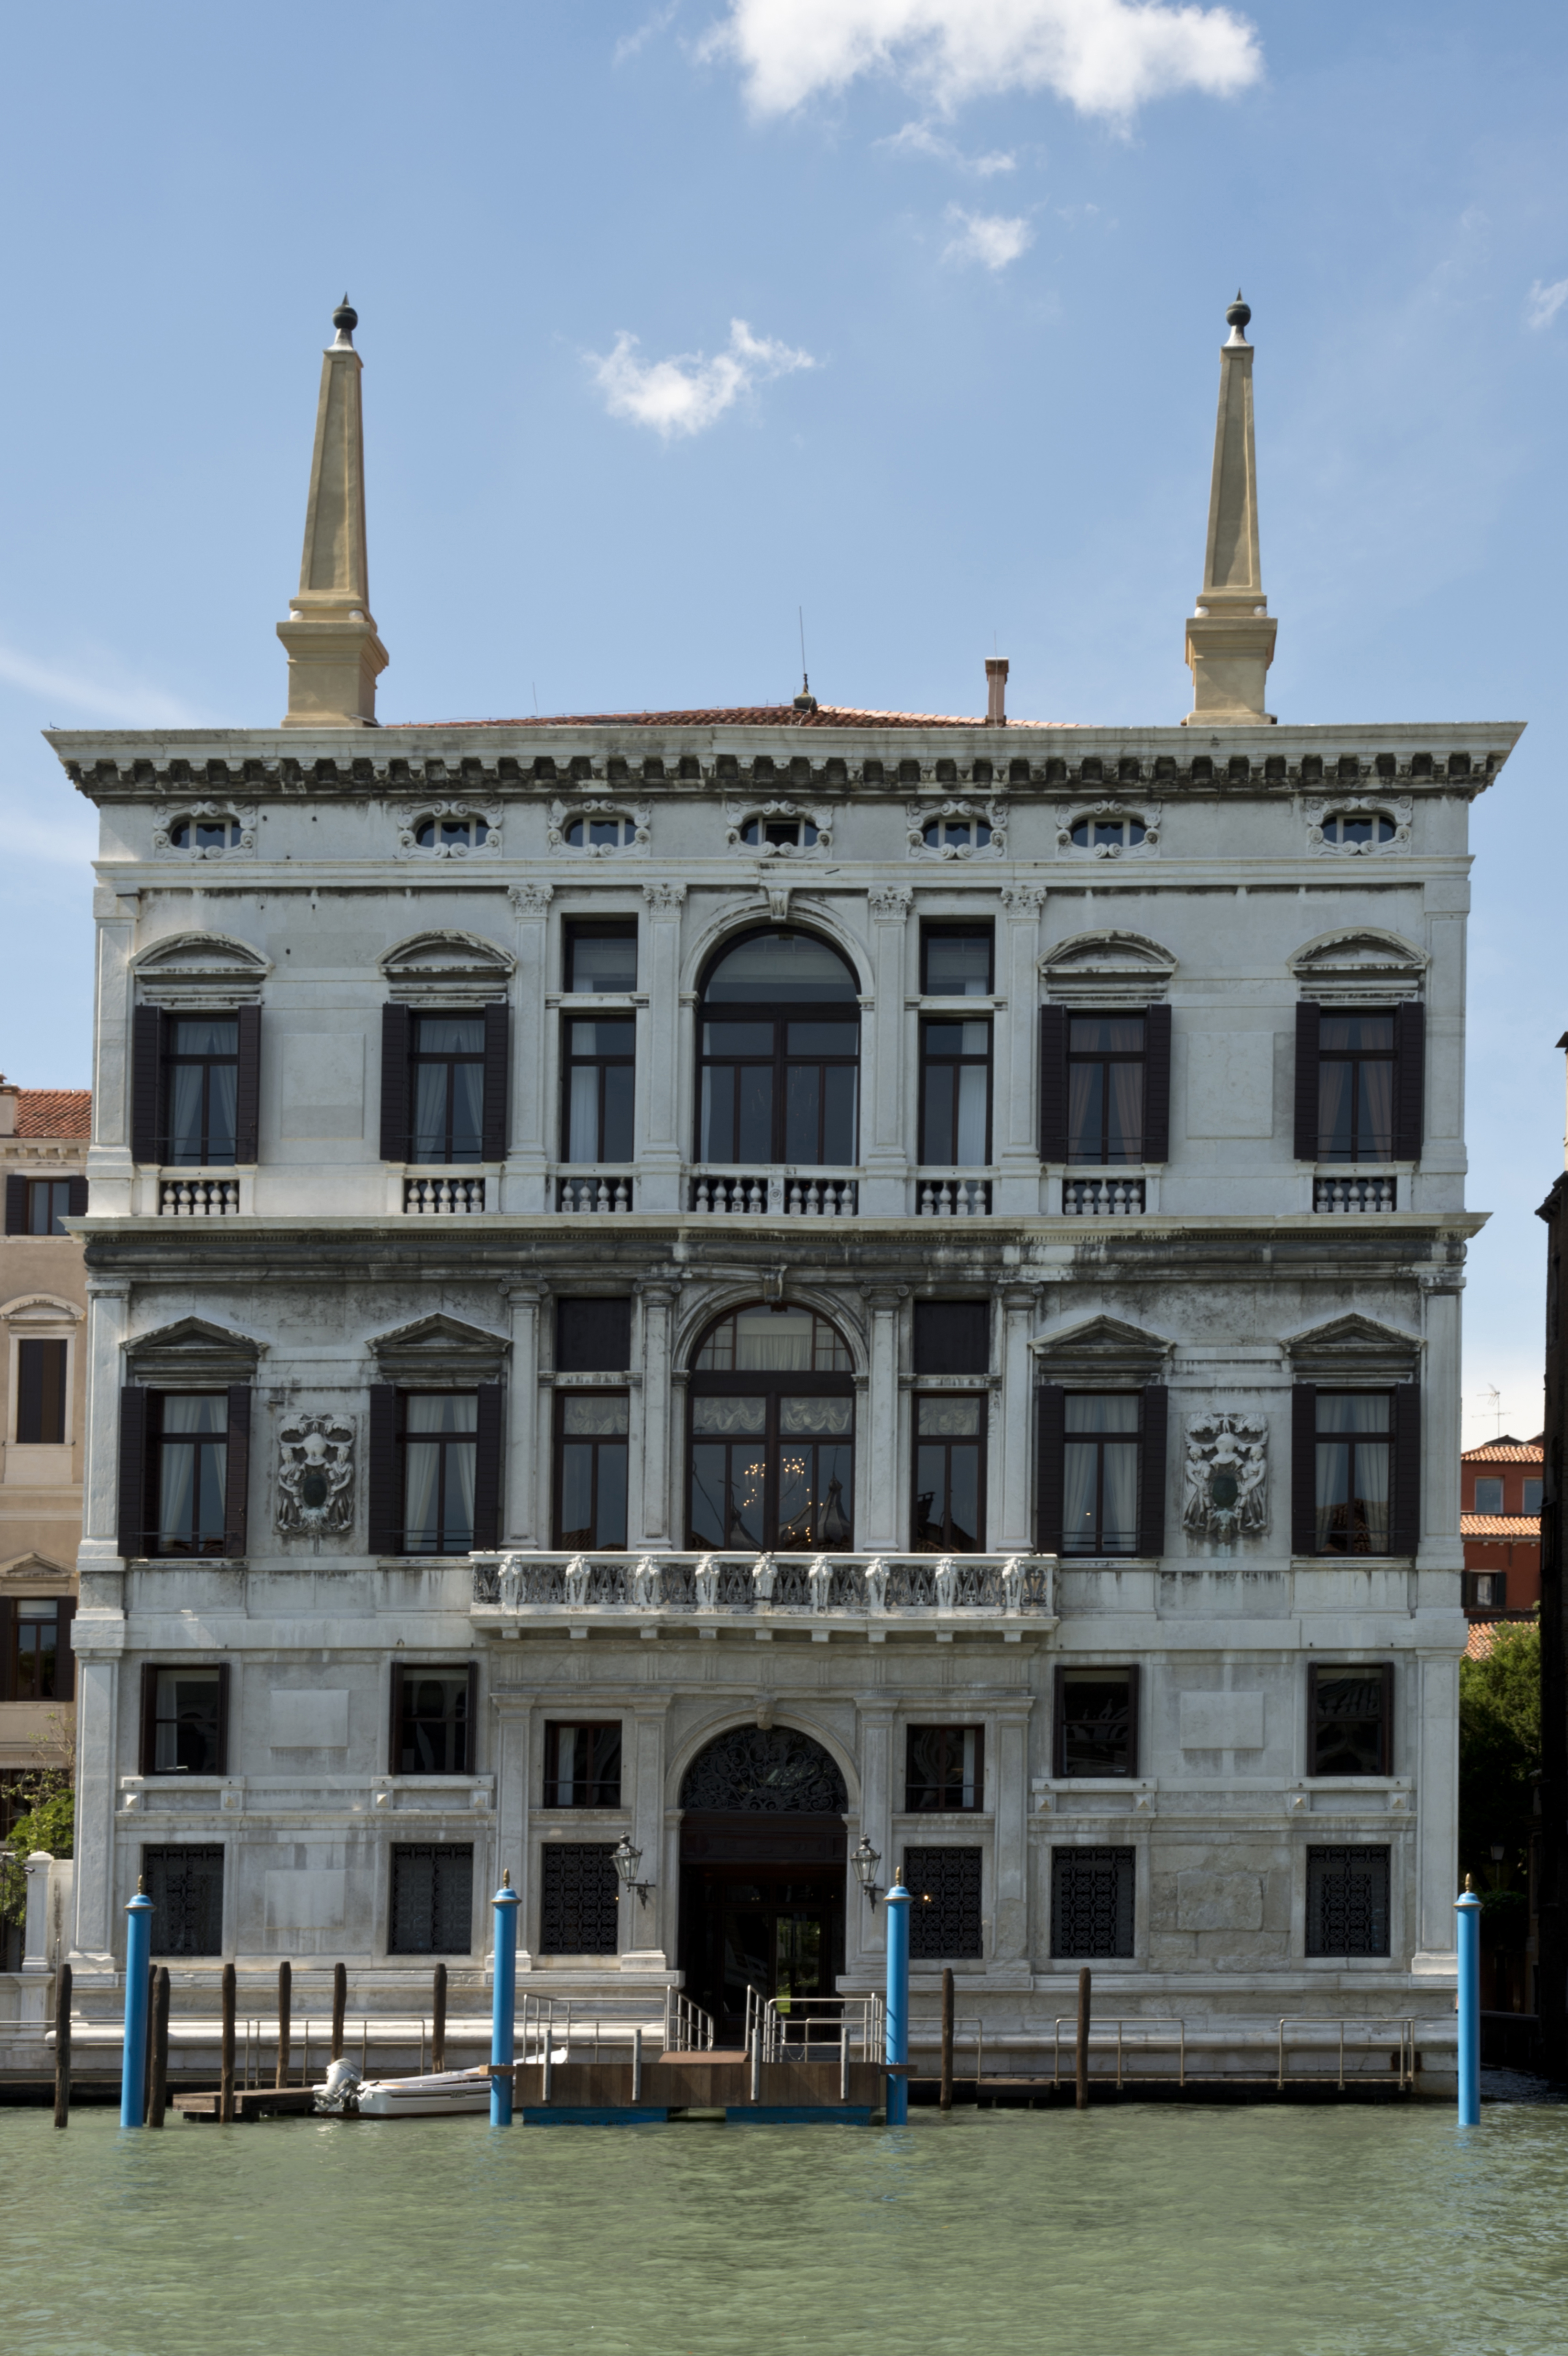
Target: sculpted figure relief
[[1227, 1476], [315, 1475]]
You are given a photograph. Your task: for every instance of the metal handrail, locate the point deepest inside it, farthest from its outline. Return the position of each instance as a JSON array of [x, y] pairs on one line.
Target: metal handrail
[[1146, 2038]]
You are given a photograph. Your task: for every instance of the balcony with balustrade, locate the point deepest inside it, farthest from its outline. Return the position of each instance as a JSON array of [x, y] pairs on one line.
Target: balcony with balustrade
[[815, 1598]]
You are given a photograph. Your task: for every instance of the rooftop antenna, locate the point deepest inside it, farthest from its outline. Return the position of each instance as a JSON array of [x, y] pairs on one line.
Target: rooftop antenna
[[534, 684], [805, 702], [1494, 1406]]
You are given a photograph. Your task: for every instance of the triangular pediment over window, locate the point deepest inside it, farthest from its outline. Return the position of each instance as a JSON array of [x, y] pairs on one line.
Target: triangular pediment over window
[[33, 1569], [439, 1348], [194, 1350], [1097, 1349], [1109, 968], [1354, 1349], [1360, 963], [209, 969], [451, 966]]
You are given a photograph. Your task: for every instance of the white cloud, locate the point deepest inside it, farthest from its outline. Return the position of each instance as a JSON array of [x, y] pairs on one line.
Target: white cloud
[[1105, 57], [1545, 302], [648, 30], [688, 393], [920, 139], [106, 695], [991, 238]]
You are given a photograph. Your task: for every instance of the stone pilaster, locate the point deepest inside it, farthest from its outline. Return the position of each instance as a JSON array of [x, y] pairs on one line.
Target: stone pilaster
[[648, 1929], [1009, 1816], [109, 1168], [525, 1182], [524, 1490], [882, 1505], [1015, 1147], [658, 1301], [1009, 1518], [884, 1153], [662, 1043]]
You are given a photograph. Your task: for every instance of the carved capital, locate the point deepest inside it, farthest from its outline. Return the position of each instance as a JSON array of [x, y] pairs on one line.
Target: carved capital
[[530, 899], [664, 899], [889, 904]]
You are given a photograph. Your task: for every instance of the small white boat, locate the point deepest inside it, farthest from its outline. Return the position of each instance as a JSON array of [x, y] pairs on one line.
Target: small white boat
[[444, 2094]]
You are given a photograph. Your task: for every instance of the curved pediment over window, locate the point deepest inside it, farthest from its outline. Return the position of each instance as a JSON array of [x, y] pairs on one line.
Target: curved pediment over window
[[440, 1349], [457, 968], [41, 1309], [1107, 968], [1361, 961], [205, 968]]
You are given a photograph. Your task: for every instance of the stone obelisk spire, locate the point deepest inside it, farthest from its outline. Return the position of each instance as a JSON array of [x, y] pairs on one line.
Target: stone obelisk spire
[[1230, 637], [334, 655]]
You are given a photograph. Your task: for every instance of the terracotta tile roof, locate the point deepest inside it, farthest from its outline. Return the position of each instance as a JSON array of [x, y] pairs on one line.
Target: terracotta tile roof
[[1483, 1634], [54, 1112], [1506, 1450], [740, 715], [1499, 1525]]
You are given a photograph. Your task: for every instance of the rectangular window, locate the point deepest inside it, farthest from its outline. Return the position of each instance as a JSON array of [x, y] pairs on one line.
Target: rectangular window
[[447, 1084], [956, 1095], [592, 1444], [49, 1206], [439, 1444], [185, 1886], [1484, 1591], [188, 1433], [1351, 1712], [183, 1720], [1096, 1723], [582, 1765], [944, 1768], [1489, 1496], [949, 1511], [1355, 1087], [40, 1393], [945, 1920], [1100, 1473], [1090, 1903], [1531, 1498], [433, 1712], [598, 1078], [1354, 1452], [1106, 1088], [578, 1895], [1347, 1901], [956, 960], [432, 1910], [593, 1338], [36, 1656], [601, 958], [201, 1089], [952, 1337]]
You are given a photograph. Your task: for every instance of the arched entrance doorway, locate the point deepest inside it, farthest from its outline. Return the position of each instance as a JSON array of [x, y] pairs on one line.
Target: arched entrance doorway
[[763, 1851]]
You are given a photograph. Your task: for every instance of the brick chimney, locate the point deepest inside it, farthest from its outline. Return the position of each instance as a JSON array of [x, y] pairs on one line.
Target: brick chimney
[[995, 691], [8, 1107]]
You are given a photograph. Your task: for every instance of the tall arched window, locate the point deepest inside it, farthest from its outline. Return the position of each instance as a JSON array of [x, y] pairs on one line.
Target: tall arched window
[[772, 1455], [778, 1048]]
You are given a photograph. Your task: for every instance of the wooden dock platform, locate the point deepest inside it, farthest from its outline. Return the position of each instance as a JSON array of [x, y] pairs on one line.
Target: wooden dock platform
[[249, 2102]]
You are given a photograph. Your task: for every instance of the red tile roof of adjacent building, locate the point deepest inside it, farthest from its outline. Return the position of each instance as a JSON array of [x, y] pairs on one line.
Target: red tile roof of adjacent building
[[54, 1112], [1483, 1634], [1499, 1525], [742, 715], [1507, 1450]]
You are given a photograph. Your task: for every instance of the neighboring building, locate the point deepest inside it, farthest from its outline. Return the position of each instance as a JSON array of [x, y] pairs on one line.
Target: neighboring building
[[43, 1307], [752, 1281], [1552, 1882], [1499, 1520]]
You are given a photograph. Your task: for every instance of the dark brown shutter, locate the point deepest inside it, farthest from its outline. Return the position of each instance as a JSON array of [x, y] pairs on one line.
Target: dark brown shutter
[[237, 1484], [487, 1467], [8, 1647], [952, 1337], [1409, 1080], [1053, 1083], [248, 1086], [1304, 1469], [77, 1200], [16, 1205], [223, 1718], [1388, 1718], [132, 1530], [471, 1728], [395, 1734], [1307, 1021], [1157, 1084], [1404, 1534], [1051, 1451], [386, 1507], [149, 1717], [1132, 1699], [31, 1358], [394, 1083], [65, 1659], [1151, 1469], [146, 1083], [497, 1034], [593, 1338]]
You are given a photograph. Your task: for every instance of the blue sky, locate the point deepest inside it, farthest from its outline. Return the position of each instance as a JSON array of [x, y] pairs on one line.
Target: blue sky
[[981, 250]]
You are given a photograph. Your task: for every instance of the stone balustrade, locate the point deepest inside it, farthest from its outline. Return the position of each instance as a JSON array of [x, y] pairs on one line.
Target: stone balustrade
[[199, 1198], [1355, 1193], [855, 1588], [444, 1197]]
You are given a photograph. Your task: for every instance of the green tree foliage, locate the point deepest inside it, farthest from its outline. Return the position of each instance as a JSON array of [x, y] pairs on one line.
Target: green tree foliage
[[48, 1820], [1499, 1749]]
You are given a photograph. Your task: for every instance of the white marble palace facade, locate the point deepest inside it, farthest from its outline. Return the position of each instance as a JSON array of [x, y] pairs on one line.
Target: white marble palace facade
[[756, 1280]]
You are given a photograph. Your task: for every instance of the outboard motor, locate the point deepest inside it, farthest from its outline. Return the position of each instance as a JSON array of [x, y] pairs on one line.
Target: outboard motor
[[339, 2095]]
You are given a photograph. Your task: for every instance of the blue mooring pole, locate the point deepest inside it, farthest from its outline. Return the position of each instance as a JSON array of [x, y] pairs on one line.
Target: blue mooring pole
[[897, 2050], [504, 2003], [1468, 1909], [133, 2059]]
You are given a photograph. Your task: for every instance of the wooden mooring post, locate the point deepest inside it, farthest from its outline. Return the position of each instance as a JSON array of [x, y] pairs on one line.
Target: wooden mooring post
[[339, 2006], [225, 2070], [285, 2021], [158, 2084], [1082, 2097], [62, 2046], [947, 2098], [438, 2025]]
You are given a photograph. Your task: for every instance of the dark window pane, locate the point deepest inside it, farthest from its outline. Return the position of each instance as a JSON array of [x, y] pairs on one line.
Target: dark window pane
[[776, 969], [952, 1337], [40, 1393], [186, 1704], [957, 965], [432, 1899], [717, 1135], [578, 1910], [49, 1206], [582, 1765], [1092, 1902], [185, 1886], [36, 1646], [593, 1336], [1348, 1736], [619, 1090], [1488, 1493], [1348, 1901], [839, 1146], [755, 1141], [433, 1722], [938, 1129], [1095, 1733], [803, 1112], [944, 1889], [602, 962]]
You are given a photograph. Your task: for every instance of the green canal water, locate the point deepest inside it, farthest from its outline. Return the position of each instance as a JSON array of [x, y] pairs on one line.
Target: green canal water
[[1245, 2232]]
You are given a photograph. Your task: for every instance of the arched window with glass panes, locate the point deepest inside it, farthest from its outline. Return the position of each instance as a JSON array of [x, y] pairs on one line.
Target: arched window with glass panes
[[778, 1055], [771, 1455]]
